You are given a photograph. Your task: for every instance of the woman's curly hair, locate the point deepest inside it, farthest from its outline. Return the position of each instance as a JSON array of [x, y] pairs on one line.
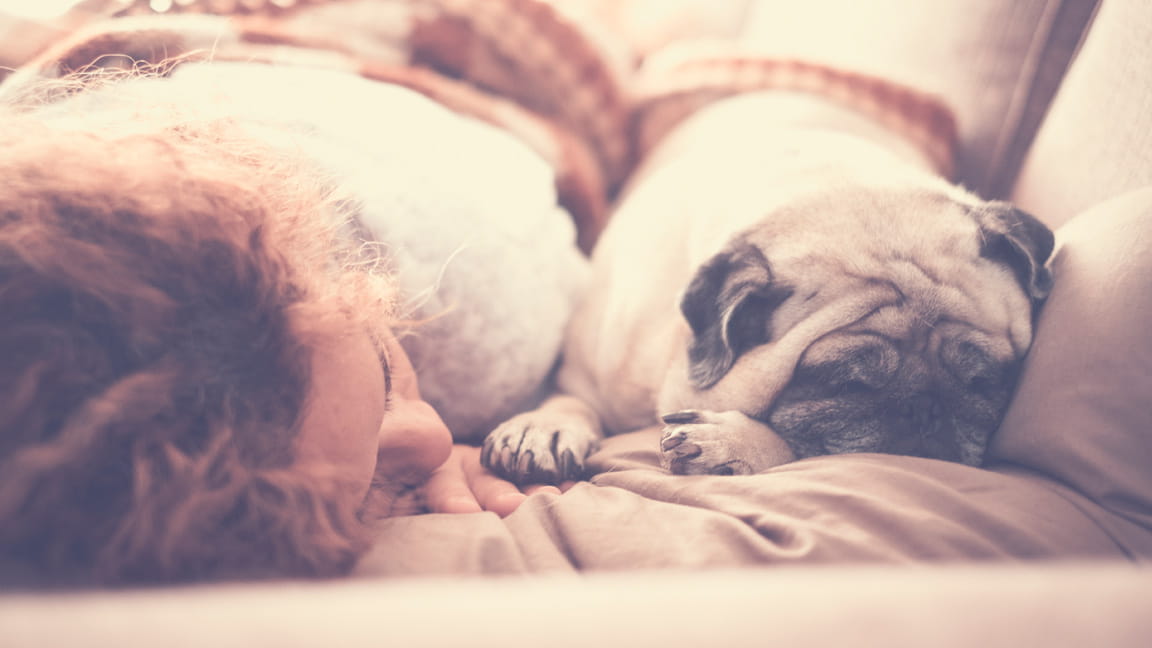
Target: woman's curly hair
[[161, 292]]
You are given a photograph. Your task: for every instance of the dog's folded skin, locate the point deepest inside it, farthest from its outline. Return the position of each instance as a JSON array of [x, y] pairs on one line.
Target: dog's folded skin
[[815, 284]]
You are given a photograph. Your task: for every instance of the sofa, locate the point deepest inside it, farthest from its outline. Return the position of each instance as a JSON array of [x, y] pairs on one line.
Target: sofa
[[1048, 544]]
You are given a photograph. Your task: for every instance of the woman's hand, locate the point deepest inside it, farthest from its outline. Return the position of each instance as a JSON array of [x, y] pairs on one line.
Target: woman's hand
[[463, 485]]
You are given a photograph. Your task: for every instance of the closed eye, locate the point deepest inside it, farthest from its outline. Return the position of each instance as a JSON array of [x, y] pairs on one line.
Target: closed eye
[[854, 369], [382, 354], [972, 366]]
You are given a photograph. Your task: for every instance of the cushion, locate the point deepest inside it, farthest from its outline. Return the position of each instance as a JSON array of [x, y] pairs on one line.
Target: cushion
[[1096, 141], [1081, 417], [996, 63]]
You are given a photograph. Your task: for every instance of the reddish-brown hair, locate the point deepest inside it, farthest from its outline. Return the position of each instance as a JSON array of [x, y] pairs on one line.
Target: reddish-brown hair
[[161, 293]]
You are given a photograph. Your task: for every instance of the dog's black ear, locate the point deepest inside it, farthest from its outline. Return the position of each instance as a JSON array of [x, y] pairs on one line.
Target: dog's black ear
[[1020, 240], [728, 306]]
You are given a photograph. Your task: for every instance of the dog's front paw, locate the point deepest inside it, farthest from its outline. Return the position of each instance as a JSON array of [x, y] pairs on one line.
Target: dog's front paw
[[539, 448], [694, 443], [702, 442]]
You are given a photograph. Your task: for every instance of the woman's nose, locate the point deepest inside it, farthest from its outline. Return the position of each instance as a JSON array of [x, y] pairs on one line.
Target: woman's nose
[[413, 441]]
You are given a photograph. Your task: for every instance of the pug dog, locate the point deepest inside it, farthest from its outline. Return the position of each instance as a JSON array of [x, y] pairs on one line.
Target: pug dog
[[785, 278]]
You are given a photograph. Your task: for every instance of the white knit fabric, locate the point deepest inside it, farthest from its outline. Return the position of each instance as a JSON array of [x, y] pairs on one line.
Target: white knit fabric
[[484, 255]]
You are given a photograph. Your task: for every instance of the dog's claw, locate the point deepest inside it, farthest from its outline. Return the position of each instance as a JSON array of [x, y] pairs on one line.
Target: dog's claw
[[681, 417]]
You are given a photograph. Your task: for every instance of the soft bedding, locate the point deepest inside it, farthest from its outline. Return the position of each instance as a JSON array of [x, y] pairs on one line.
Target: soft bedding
[[840, 509]]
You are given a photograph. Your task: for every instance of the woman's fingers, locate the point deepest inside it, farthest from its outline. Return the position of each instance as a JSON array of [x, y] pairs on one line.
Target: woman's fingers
[[494, 493], [448, 491], [532, 489]]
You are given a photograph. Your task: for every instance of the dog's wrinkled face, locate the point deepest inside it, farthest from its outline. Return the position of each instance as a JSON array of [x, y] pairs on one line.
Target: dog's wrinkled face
[[870, 322]]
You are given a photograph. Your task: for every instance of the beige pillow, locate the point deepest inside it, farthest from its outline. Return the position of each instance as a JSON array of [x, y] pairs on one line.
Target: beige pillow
[[997, 64], [1095, 142], [1082, 416]]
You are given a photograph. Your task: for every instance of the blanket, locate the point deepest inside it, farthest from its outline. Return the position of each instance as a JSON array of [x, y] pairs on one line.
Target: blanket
[[558, 74], [519, 65], [842, 509]]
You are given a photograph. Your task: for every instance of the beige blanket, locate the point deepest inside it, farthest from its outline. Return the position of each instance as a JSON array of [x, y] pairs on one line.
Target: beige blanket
[[860, 508]]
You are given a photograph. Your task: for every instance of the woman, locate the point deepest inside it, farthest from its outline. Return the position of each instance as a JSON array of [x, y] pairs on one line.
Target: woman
[[197, 316]]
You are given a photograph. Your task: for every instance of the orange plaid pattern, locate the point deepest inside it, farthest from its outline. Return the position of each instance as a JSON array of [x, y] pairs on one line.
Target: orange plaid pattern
[[672, 92]]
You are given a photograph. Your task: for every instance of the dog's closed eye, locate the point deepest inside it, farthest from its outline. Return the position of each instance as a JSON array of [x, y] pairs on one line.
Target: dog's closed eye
[[974, 368], [843, 368]]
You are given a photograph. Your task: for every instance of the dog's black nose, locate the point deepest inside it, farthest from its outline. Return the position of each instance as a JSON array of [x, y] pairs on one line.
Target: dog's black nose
[[922, 409]]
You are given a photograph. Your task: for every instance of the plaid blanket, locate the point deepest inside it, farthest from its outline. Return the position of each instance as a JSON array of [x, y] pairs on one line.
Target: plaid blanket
[[683, 78], [520, 65], [543, 70]]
